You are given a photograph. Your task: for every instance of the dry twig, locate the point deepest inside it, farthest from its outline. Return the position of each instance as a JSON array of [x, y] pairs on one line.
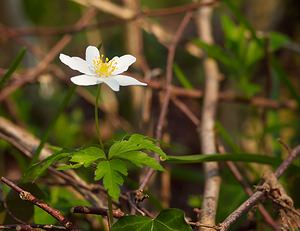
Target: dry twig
[[258, 195], [206, 129], [167, 96], [117, 213], [27, 196]]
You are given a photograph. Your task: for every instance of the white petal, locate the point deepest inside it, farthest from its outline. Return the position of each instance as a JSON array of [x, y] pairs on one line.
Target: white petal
[[123, 63], [91, 53], [112, 83], [75, 63], [124, 80], [85, 80]]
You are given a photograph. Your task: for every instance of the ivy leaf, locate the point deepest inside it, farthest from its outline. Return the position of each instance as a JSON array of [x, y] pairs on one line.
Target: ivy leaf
[[140, 159], [167, 220], [136, 142], [111, 171], [87, 156]]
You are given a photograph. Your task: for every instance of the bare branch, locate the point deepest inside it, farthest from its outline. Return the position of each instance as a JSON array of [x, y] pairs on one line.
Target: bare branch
[[258, 195], [206, 129], [27, 196]]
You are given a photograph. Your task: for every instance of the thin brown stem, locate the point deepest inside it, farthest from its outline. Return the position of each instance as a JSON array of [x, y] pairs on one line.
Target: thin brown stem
[[247, 188], [52, 54], [117, 213], [31, 227], [258, 195], [167, 96], [27, 196]]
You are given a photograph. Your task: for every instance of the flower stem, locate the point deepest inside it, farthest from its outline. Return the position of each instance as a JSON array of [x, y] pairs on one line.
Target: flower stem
[[109, 200], [110, 211], [97, 117]]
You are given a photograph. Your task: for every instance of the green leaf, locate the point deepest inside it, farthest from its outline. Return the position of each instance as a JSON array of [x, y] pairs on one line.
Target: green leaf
[[243, 157], [147, 143], [229, 28], [84, 156], [136, 142], [277, 40], [167, 220], [39, 168], [40, 216], [254, 53], [12, 67], [69, 166], [214, 51], [182, 77], [140, 159], [242, 19], [111, 171], [87, 156], [249, 89]]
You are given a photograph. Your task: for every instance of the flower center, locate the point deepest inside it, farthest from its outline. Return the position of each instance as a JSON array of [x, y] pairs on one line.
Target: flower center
[[104, 67]]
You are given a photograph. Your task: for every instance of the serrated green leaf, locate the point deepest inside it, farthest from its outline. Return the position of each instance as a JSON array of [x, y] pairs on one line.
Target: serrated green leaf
[[147, 143], [87, 156], [39, 168], [69, 166], [120, 147], [140, 159], [136, 142], [111, 171], [167, 220]]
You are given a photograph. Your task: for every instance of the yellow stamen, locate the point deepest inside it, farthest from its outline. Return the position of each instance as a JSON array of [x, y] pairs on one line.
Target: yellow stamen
[[103, 67]]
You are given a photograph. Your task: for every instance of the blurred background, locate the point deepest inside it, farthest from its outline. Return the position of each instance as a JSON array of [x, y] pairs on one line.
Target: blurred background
[[257, 47]]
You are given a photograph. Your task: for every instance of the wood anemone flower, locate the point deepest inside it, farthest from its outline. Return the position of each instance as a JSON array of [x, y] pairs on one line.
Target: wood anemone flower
[[97, 69]]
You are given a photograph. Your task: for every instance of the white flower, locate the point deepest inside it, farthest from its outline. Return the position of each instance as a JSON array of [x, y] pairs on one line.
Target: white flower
[[96, 69]]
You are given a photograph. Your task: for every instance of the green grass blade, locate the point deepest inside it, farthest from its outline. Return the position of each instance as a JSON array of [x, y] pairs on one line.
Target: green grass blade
[[182, 77], [241, 157], [12, 67], [227, 138]]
